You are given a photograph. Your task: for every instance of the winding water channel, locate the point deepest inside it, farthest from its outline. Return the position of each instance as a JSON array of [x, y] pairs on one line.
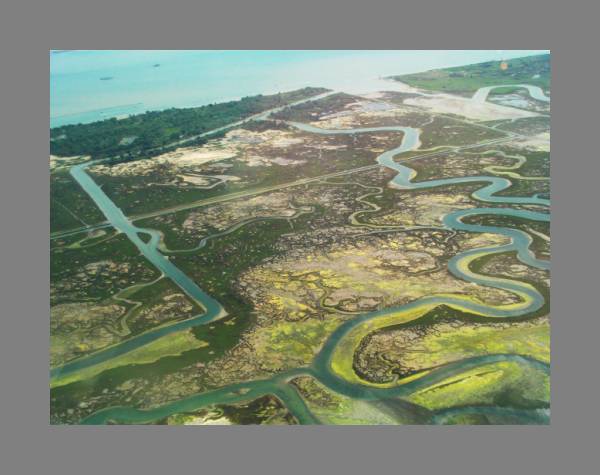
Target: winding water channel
[[535, 92], [321, 368]]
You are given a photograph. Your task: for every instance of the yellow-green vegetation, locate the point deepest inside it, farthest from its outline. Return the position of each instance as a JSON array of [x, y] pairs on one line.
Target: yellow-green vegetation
[[170, 345], [270, 346], [503, 384], [413, 348], [361, 276], [524, 299], [523, 338], [342, 361], [285, 345], [343, 356]]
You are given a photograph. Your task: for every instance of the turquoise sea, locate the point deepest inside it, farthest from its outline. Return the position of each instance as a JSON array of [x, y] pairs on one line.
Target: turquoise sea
[[86, 86]]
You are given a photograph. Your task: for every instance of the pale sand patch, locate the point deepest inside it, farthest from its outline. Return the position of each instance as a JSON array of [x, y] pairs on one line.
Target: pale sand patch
[[135, 168], [287, 161], [255, 161], [96, 233], [242, 138], [284, 142], [258, 161], [403, 87], [360, 107], [205, 182], [448, 104], [365, 111], [195, 180], [227, 177], [197, 156], [63, 159], [56, 161], [371, 106], [346, 121], [188, 157], [224, 215], [206, 421], [185, 159], [540, 142], [374, 95]]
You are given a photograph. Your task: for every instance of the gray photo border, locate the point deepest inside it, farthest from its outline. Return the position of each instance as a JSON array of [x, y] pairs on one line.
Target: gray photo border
[[28, 29]]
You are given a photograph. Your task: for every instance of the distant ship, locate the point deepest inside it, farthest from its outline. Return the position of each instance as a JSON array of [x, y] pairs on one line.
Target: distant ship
[[157, 65], [106, 78]]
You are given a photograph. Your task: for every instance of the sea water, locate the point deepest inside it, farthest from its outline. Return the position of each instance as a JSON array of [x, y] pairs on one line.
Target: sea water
[[86, 86]]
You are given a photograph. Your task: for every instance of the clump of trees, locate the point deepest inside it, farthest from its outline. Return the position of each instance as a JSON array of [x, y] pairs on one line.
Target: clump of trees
[[157, 129]]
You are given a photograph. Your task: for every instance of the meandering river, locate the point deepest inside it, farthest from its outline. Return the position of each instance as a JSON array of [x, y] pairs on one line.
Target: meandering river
[[321, 368], [535, 92]]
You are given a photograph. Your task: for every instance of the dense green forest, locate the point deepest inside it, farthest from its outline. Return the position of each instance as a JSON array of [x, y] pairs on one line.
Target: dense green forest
[[465, 80], [140, 134]]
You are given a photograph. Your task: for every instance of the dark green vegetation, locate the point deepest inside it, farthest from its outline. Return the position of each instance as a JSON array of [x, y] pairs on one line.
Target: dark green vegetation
[[537, 163], [82, 239], [527, 188], [486, 161], [67, 266], [314, 110], [140, 134], [264, 125], [70, 206], [398, 98], [527, 126], [465, 80], [222, 260], [451, 132]]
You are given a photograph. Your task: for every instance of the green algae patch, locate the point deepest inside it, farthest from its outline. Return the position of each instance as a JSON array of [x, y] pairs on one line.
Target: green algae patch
[[439, 348], [427, 344], [497, 384], [169, 345]]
